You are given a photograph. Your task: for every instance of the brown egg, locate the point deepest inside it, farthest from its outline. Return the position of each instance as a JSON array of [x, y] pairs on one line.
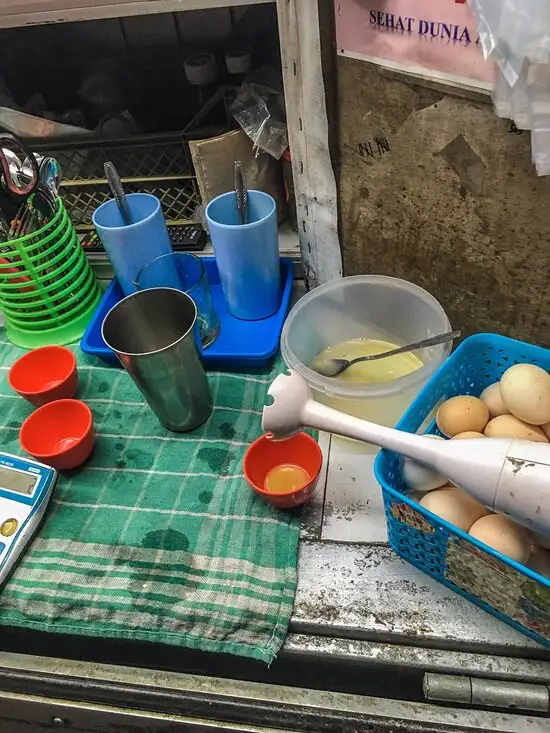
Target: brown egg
[[541, 540], [504, 536], [540, 562], [493, 399], [508, 426], [462, 414], [468, 435], [454, 506]]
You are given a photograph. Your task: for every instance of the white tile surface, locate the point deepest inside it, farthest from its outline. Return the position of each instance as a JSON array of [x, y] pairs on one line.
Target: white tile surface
[[354, 510], [312, 513]]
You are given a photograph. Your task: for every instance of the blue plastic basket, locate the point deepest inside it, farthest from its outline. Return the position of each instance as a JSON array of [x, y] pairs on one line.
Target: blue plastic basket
[[508, 590], [240, 345]]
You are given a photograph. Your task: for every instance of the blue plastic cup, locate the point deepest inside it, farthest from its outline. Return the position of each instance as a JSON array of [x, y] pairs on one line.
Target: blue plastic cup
[[131, 247], [247, 255]]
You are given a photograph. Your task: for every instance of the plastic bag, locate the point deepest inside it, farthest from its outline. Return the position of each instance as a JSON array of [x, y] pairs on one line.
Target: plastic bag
[[516, 35], [256, 109], [487, 14], [524, 30], [538, 94], [522, 34], [512, 31]]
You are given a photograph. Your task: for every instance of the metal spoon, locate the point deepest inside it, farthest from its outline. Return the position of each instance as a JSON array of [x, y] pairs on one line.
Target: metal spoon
[[328, 367], [241, 192], [117, 190], [50, 175], [16, 167]]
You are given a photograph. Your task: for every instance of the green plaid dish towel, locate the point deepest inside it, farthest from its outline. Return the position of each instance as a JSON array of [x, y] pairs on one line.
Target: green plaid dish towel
[[158, 537]]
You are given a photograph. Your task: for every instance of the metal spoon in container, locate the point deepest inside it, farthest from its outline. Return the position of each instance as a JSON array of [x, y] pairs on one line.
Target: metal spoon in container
[[328, 367], [117, 190], [241, 192]]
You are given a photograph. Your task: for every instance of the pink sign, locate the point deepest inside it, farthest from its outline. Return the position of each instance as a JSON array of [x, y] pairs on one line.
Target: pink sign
[[420, 36]]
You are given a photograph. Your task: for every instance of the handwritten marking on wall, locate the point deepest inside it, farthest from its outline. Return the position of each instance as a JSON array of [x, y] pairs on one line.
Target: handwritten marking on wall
[[375, 148]]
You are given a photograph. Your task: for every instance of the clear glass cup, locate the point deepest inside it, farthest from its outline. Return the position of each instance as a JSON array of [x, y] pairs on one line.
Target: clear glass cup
[[183, 271]]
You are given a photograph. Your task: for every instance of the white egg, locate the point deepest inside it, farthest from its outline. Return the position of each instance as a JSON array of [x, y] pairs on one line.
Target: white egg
[[493, 399], [525, 390], [419, 477]]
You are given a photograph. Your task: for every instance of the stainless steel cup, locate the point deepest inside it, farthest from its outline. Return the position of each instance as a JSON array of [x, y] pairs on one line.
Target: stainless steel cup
[[152, 333]]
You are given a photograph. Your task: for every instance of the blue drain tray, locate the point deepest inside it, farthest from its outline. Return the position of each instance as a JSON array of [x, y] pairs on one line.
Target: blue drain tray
[[240, 344]]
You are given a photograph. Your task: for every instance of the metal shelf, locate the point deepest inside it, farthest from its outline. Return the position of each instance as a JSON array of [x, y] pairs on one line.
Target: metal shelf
[[19, 13]]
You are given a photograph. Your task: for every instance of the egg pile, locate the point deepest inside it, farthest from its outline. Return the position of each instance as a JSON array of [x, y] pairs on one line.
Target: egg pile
[[516, 407]]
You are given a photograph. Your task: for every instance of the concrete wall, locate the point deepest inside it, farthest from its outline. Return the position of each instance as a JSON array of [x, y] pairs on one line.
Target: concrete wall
[[436, 189]]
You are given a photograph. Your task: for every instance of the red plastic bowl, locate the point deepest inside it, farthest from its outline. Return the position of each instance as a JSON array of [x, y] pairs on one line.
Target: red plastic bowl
[[60, 434], [264, 454], [45, 375]]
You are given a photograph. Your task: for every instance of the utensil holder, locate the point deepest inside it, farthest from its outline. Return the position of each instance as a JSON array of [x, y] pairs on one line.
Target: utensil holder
[[48, 292]]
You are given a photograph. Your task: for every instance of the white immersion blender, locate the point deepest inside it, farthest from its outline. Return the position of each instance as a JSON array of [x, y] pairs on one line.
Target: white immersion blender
[[506, 475]]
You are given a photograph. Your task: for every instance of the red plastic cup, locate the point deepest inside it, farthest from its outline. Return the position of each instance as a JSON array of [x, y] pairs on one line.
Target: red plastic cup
[[264, 455], [44, 375], [60, 434]]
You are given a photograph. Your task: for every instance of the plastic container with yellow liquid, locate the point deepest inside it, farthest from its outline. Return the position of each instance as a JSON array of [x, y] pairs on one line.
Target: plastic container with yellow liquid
[[385, 309]]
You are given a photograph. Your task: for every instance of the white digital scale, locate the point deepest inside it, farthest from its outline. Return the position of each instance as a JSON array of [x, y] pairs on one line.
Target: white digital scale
[[25, 489]]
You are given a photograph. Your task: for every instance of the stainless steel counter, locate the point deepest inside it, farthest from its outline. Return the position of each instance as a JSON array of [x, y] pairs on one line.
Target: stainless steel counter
[[362, 590]]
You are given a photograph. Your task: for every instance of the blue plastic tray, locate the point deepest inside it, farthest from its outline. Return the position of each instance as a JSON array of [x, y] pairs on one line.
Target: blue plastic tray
[[241, 344]]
